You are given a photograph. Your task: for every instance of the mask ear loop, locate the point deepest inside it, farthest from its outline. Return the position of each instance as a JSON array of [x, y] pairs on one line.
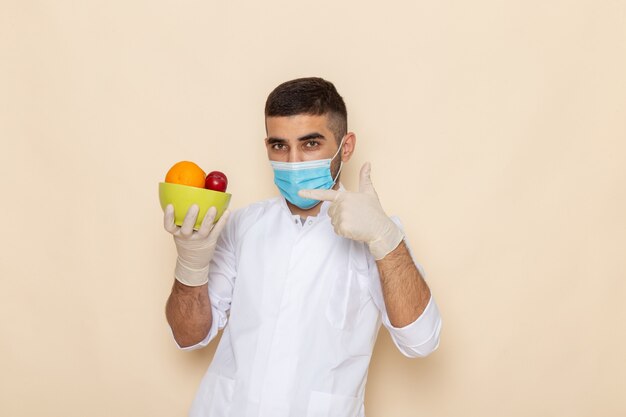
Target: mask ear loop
[[340, 163]]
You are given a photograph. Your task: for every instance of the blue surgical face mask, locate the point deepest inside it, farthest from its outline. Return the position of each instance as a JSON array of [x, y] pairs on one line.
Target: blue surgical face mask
[[291, 177]]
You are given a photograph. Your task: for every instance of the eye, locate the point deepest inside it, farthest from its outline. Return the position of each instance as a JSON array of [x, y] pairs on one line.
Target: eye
[[278, 146], [311, 144]]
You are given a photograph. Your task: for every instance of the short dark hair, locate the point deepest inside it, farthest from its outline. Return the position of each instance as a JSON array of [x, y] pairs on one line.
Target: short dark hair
[[313, 96]]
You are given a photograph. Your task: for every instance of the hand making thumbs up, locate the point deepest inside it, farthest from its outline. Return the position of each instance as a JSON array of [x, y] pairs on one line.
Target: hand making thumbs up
[[359, 215]]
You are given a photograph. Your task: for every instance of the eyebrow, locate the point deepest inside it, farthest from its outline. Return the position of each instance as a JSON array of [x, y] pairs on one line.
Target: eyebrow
[[314, 135]]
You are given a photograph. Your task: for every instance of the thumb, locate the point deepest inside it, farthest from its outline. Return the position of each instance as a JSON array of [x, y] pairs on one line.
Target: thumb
[[217, 229], [323, 195], [365, 182]]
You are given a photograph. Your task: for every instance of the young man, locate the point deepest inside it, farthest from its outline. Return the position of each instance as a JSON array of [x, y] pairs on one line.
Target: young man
[[303, 280]]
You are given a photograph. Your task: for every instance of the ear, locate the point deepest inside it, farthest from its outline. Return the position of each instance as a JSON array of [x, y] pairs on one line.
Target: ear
[[348, 146]]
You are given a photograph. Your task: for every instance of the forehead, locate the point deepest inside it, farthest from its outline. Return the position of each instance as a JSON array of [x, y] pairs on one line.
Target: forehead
[[295, 126]]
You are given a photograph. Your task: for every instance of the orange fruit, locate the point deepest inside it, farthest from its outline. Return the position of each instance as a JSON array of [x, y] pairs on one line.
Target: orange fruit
[[186, 173]]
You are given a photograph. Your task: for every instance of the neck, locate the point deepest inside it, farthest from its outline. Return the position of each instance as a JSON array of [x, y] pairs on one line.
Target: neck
[[313, 211]]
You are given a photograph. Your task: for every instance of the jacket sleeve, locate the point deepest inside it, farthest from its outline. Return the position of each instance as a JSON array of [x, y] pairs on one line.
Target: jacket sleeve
[[417, 339], [222, 273]]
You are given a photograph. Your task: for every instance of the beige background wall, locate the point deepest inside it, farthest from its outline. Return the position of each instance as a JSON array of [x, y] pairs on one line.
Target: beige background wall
[[496, 131]]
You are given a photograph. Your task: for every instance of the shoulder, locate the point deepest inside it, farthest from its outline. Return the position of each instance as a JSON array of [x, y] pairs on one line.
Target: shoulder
[[242, 218], [255, 210]]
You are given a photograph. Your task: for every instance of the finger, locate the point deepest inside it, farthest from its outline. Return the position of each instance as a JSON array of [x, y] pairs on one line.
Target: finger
[[207, 222], [332, 210], [365, 181], [190, 220], [168, 219], [217, 229], [323, 195], [333, 221], [336, 229]]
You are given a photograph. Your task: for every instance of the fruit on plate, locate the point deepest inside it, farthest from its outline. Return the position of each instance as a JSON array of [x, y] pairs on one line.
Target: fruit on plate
[[186, 173], [216, 181]]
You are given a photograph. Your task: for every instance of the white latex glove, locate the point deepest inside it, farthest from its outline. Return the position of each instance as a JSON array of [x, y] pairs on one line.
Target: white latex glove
[[359, 215], [195, 249]]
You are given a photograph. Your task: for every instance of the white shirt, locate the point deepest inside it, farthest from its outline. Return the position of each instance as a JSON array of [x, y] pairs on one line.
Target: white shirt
[[303, 307]]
